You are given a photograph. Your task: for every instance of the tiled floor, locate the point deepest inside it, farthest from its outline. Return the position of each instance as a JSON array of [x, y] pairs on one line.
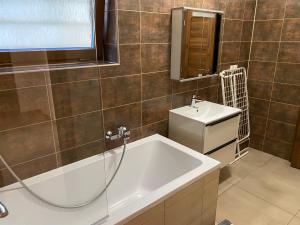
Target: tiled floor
[[260, 189]]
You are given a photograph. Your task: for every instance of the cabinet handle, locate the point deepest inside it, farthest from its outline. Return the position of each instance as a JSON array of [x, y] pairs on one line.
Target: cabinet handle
[[222, 146]]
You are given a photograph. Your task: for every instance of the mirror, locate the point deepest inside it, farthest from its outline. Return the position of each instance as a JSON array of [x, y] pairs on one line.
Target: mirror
[[195, 43]]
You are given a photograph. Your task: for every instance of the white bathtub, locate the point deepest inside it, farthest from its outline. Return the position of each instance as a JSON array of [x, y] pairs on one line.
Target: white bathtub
[[153, 168]]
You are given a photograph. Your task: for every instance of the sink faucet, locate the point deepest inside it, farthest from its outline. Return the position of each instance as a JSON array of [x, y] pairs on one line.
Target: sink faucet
[[194, 101], [3, 211]]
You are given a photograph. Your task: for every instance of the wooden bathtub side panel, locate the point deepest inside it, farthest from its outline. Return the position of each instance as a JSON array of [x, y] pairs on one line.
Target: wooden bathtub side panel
[[153, 216], [194, 205]]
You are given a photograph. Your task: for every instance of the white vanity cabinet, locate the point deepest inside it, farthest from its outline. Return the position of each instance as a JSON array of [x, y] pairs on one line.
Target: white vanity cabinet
[[208, 128]]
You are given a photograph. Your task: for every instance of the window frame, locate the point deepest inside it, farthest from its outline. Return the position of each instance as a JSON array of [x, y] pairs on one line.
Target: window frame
[[54, 57]]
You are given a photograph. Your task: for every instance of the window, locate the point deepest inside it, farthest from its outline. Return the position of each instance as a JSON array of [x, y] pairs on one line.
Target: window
[[56, 31]]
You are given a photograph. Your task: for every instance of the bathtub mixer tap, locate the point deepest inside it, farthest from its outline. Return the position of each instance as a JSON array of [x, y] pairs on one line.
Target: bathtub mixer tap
[[123, 133]]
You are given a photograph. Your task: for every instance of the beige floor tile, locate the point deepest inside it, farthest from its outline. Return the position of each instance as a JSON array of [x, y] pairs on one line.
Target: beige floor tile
[[277, 183], [256, 158], [253, 160], [295, 221], [242, 208], [224, 185], [234, 173], [298, 215]]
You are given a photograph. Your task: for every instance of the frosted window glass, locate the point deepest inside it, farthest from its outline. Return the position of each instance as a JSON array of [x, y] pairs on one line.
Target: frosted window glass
[[46, 24]]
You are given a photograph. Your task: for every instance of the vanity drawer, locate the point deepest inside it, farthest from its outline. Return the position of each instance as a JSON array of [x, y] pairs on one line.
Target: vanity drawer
[[225, 155], [218, 134]]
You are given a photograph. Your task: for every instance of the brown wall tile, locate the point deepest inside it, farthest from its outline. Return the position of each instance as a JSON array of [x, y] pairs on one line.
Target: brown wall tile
[[249, 9], [130, 62], [261, 71], [22, 107], [156, 128], [76, 98], [208, 94], [222, 6], [121, 90], [258, 107], [285, 90], [183, 99], [26, 143], [278, 148], [178, 87], [268, 30], [226, 66], [235, 9], [155, 57], [211, 4], [28, 169], [129, 4], [151, 88], [21, 80], [288, 73], [230, 52], [247, 30], [71, 75], [281, 131], [283, 112], [129, 27], [291, 30], [232, 30], [207, 82], [79, 153], [292, 9], [259, 89], [128, 115], [244, 51], [189, 3], [79, 130], [156, 28], [270, 9], [157, 5], [264, 51], [256, 141], [289, 52], [286, 93], [156, 110], [258, 125], [75, 91]]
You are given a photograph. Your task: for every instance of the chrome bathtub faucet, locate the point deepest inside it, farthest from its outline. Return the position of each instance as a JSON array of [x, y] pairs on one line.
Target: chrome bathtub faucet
[[3, 210], [123, 133]]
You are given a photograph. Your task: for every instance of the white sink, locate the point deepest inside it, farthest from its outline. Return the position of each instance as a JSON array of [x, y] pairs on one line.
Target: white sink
[[207, 112], [208, 128]]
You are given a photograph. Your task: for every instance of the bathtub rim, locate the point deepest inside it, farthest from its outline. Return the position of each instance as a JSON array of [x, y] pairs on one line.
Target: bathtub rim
[[156, 197]]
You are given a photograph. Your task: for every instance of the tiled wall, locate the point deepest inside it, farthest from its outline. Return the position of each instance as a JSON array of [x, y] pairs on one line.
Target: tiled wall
[[274, 76], [237, 32], [50, 119]]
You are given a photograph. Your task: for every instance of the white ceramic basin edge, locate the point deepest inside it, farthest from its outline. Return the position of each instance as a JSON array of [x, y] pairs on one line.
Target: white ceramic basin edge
[[206, 112]]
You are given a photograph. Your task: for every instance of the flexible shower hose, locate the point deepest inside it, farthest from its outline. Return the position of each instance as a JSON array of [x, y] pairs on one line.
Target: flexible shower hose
[[61, 205]]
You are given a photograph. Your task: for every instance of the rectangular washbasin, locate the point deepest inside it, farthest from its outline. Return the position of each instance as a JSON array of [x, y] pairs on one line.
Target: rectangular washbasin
[[207, 112]]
